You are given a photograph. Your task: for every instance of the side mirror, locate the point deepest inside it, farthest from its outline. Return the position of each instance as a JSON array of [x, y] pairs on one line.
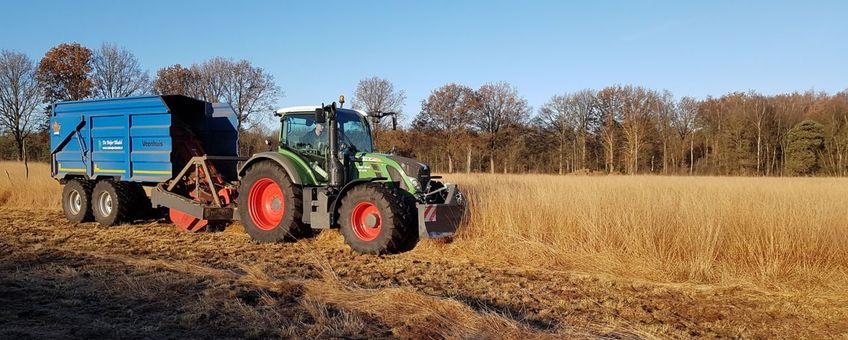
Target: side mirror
[[320, 116]]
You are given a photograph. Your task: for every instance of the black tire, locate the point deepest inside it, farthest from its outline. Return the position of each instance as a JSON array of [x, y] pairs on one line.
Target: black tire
[[112, 202], [290, 226], [141, 208], [76, 200], [397, 232]]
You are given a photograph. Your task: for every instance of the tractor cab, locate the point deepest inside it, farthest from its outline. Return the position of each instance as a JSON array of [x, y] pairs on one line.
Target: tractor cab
[[302, 135]]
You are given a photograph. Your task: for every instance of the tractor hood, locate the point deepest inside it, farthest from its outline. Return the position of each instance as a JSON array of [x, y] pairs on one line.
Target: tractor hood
[[412, 175], [411, 167]]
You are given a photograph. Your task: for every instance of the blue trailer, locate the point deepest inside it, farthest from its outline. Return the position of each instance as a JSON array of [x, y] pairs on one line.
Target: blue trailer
[[106, 151]]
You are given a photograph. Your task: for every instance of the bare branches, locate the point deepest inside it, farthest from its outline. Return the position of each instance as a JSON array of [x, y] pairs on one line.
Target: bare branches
[[448, 112], [375, 95], [249, 89], [500, 107], [117, 73], [20, 97]]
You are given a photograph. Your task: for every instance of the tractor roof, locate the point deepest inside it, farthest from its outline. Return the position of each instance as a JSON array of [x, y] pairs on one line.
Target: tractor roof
[[307, 108]]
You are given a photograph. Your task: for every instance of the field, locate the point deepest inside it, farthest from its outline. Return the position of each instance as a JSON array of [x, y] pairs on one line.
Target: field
[[540, 256]]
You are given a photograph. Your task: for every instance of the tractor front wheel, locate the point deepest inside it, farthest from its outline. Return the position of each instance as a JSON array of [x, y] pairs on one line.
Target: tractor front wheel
[[376, 219], [270, 205]]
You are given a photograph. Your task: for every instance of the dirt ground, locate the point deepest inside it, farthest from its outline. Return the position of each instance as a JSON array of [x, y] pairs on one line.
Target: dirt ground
[[59, 279]]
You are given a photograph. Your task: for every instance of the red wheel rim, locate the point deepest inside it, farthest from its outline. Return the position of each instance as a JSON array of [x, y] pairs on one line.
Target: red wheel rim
[[266, 204], [366, 221]]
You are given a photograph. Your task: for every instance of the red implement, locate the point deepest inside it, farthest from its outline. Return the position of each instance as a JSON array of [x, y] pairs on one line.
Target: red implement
[[186, 222]]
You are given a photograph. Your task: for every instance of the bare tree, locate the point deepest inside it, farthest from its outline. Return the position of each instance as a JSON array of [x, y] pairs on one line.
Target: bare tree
[[117, 73], [213, 76], [640, 107], [610, 105], [448, 112], [557, 119], [378, 95], [683, 122], [249, 90], [20, 96], [665, 111], [587, 117], [500, 107]]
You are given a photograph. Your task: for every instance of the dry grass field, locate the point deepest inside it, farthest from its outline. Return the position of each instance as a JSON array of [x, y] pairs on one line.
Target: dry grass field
[[540, 256]]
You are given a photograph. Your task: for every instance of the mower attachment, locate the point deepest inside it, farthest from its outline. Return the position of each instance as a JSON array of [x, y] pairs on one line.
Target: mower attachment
[[441, 220]]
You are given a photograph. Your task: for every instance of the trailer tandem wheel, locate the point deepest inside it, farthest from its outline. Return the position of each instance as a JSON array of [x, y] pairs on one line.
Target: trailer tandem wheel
[[76, 200], [112, 202]]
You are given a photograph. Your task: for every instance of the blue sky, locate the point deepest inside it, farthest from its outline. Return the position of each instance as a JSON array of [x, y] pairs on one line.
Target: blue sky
[[318, 50]]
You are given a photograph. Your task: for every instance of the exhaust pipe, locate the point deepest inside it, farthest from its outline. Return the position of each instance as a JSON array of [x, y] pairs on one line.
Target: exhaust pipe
[[327, 114]]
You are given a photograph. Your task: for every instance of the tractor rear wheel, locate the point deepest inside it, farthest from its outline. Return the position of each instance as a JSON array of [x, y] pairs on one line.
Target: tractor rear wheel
[[270, 205], [111, 202], [76, 200], [376, 219]]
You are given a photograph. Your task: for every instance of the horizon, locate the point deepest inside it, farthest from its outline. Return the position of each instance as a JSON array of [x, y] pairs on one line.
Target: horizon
[[689, 49]]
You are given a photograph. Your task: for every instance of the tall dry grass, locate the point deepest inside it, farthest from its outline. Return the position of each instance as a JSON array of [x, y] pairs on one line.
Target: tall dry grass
[[775, 233], [38, 190]]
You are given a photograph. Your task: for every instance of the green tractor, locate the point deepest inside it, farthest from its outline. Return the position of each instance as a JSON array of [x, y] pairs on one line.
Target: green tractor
[[325, 174]]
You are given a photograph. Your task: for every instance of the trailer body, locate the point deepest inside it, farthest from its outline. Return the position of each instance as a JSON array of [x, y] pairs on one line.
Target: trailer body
[[138, 139]]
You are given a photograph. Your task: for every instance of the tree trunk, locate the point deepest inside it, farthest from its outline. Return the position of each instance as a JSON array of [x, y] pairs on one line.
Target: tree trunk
[[492, 162], [759, 139], [468, 161], [583, 149], [635, 155], [575, 158], [19, 144], [691, 154], [450, 163], [561, 152]]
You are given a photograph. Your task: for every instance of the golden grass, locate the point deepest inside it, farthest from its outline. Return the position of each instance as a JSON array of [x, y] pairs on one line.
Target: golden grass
[[38, 190], [773, 233]]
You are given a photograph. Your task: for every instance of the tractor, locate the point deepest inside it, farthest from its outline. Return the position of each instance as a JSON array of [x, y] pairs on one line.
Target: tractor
[[325, 174]]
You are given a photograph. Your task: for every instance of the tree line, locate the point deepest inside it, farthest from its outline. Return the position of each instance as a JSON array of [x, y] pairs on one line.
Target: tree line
[[617, 129], [70, 71], [631, 130]]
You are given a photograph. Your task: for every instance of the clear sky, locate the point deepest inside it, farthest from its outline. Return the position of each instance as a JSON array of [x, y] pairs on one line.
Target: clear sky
[[318, 51]]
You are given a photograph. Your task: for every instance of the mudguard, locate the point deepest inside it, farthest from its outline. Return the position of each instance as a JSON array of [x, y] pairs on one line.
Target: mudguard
[[284, 162]]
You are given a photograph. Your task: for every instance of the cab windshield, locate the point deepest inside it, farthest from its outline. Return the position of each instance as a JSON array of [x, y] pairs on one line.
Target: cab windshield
[[302, 134]]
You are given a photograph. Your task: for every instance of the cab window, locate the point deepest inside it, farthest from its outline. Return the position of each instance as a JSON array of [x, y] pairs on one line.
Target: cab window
[[302, 134]]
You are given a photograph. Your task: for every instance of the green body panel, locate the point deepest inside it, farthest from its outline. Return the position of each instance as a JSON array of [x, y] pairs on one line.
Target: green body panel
[[365, 165], [307, 175], [372, 164]]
